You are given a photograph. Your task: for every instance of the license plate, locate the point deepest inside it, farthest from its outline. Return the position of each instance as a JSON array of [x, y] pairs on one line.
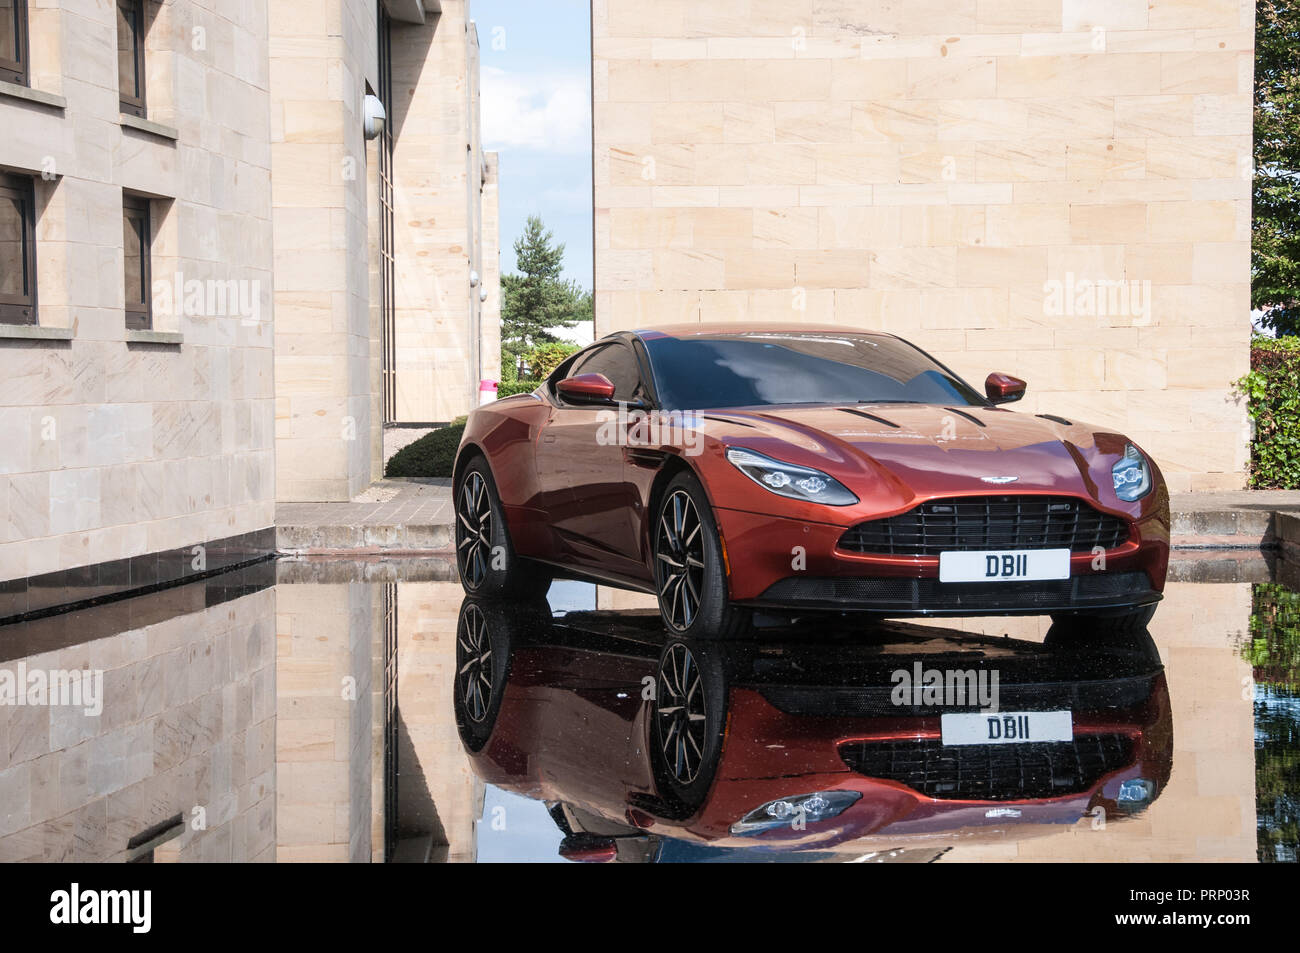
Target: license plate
[[1006, 727], [1004, 565]]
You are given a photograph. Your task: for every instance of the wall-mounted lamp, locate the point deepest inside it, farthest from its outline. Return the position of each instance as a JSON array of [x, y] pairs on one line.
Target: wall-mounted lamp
[[375, 116], [473, 279], [482, 294]]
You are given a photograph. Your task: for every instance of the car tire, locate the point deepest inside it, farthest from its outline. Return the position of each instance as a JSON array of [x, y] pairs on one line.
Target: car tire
[[485, 558], [689, 573], [487, 634], [687, 717]]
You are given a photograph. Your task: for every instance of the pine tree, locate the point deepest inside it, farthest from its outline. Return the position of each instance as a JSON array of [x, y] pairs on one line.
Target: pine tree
[[537, 301]]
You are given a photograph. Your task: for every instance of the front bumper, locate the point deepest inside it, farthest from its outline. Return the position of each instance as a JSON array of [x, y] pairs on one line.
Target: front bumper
[[775, 562]]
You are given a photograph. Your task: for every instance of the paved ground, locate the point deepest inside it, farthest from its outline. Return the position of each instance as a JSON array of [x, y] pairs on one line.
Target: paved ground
[[396, 516], [393, 516]]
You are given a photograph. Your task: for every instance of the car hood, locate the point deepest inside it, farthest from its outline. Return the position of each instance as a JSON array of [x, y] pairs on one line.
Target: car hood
[[927, 450]]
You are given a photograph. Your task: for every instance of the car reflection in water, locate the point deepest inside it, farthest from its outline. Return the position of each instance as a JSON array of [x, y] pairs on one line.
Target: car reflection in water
[[790, 746]]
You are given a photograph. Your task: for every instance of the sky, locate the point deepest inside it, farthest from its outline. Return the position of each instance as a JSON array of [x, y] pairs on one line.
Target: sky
[[536, 112]]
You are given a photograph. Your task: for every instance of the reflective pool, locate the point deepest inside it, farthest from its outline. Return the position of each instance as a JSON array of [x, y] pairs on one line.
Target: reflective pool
[[365, 710]]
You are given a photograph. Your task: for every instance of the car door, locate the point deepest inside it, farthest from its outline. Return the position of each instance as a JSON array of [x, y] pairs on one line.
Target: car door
[[581, 465]]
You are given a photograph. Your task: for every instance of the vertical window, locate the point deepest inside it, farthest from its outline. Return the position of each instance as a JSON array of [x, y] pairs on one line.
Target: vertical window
[[130, 56], [387, 241], [13, 41], [136, 241], [17, 250]]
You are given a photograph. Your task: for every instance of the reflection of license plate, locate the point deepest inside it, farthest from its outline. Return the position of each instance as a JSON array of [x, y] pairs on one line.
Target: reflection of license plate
[[1004, 565], [1006, 727]]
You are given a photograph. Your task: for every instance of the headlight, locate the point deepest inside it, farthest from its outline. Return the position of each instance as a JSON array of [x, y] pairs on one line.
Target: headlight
[[1135, 795], [1132, 475], [802, 808], [789, 480]]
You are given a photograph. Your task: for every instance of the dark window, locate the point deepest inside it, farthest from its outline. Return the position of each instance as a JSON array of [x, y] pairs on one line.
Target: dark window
[[136, 242], [13, 41], [17, 250], [762, 368], [618, 364], [130, 56]]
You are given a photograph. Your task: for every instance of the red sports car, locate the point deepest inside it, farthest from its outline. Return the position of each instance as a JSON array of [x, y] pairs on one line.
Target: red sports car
[[728, 469]]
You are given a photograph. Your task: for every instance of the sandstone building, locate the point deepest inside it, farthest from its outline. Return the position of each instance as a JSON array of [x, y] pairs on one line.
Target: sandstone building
[[1058, 189], [215, 290]]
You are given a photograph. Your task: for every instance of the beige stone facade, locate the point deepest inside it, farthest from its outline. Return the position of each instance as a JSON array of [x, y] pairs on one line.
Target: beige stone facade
[[254, 364], [1057, 189], [328, 194], [117, 443]]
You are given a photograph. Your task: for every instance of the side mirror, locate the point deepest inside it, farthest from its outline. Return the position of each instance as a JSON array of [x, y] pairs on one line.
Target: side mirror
[[586, 389], [1003, 388]]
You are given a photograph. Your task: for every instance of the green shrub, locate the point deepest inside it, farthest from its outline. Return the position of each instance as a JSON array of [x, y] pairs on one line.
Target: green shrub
[[510, 388], [546, 358], [433, 455], [1272, 389]]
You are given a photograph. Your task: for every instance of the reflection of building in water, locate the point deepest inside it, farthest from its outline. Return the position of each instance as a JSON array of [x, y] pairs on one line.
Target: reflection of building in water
[[187, 729], [328, 640], [440, 797]]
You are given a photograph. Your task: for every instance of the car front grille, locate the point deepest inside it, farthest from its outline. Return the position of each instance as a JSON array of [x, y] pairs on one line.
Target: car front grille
[[1006, 772], [989, 523]]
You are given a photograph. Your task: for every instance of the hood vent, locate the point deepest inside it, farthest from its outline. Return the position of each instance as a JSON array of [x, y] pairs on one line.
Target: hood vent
[[867, 416]]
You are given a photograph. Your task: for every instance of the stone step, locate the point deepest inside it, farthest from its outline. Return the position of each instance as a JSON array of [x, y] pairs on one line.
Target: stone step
[[365, 538]]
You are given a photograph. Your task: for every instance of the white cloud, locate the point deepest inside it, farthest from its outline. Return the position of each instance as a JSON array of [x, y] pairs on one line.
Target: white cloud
[[546, 112]]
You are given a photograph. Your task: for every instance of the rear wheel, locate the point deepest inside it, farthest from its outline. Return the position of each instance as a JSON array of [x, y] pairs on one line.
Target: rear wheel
[[485, 558], [690, 578]]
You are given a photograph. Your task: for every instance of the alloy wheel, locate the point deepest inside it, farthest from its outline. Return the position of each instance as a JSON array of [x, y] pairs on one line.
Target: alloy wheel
[[679, 560], [682, 714], [474, 663], [474, 529]]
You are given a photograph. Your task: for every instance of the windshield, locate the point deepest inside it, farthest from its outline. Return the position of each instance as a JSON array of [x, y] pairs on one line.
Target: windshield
[[760, 369]]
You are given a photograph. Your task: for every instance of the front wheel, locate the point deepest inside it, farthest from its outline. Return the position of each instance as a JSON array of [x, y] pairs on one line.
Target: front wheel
[[690, 578], [485, 558], [688, 716]]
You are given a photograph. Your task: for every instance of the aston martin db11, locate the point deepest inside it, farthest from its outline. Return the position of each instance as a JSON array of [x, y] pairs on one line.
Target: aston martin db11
[[728, 470]]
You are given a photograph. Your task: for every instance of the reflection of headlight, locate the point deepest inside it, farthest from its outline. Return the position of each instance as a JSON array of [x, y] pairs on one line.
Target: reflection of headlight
[[1132, 475], [1135, 794], [801, 809], [789, 480]]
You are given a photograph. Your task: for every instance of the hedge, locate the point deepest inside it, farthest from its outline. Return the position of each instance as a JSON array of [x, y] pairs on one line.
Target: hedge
[[433, 455], [510, 388], [1272, 389]]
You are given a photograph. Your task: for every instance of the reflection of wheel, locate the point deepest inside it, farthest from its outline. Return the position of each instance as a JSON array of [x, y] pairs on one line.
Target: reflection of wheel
[[687, 718], [484, 556], [474, 663], [486, 634], [1127, 623], [1093, 636], [689, 575]]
